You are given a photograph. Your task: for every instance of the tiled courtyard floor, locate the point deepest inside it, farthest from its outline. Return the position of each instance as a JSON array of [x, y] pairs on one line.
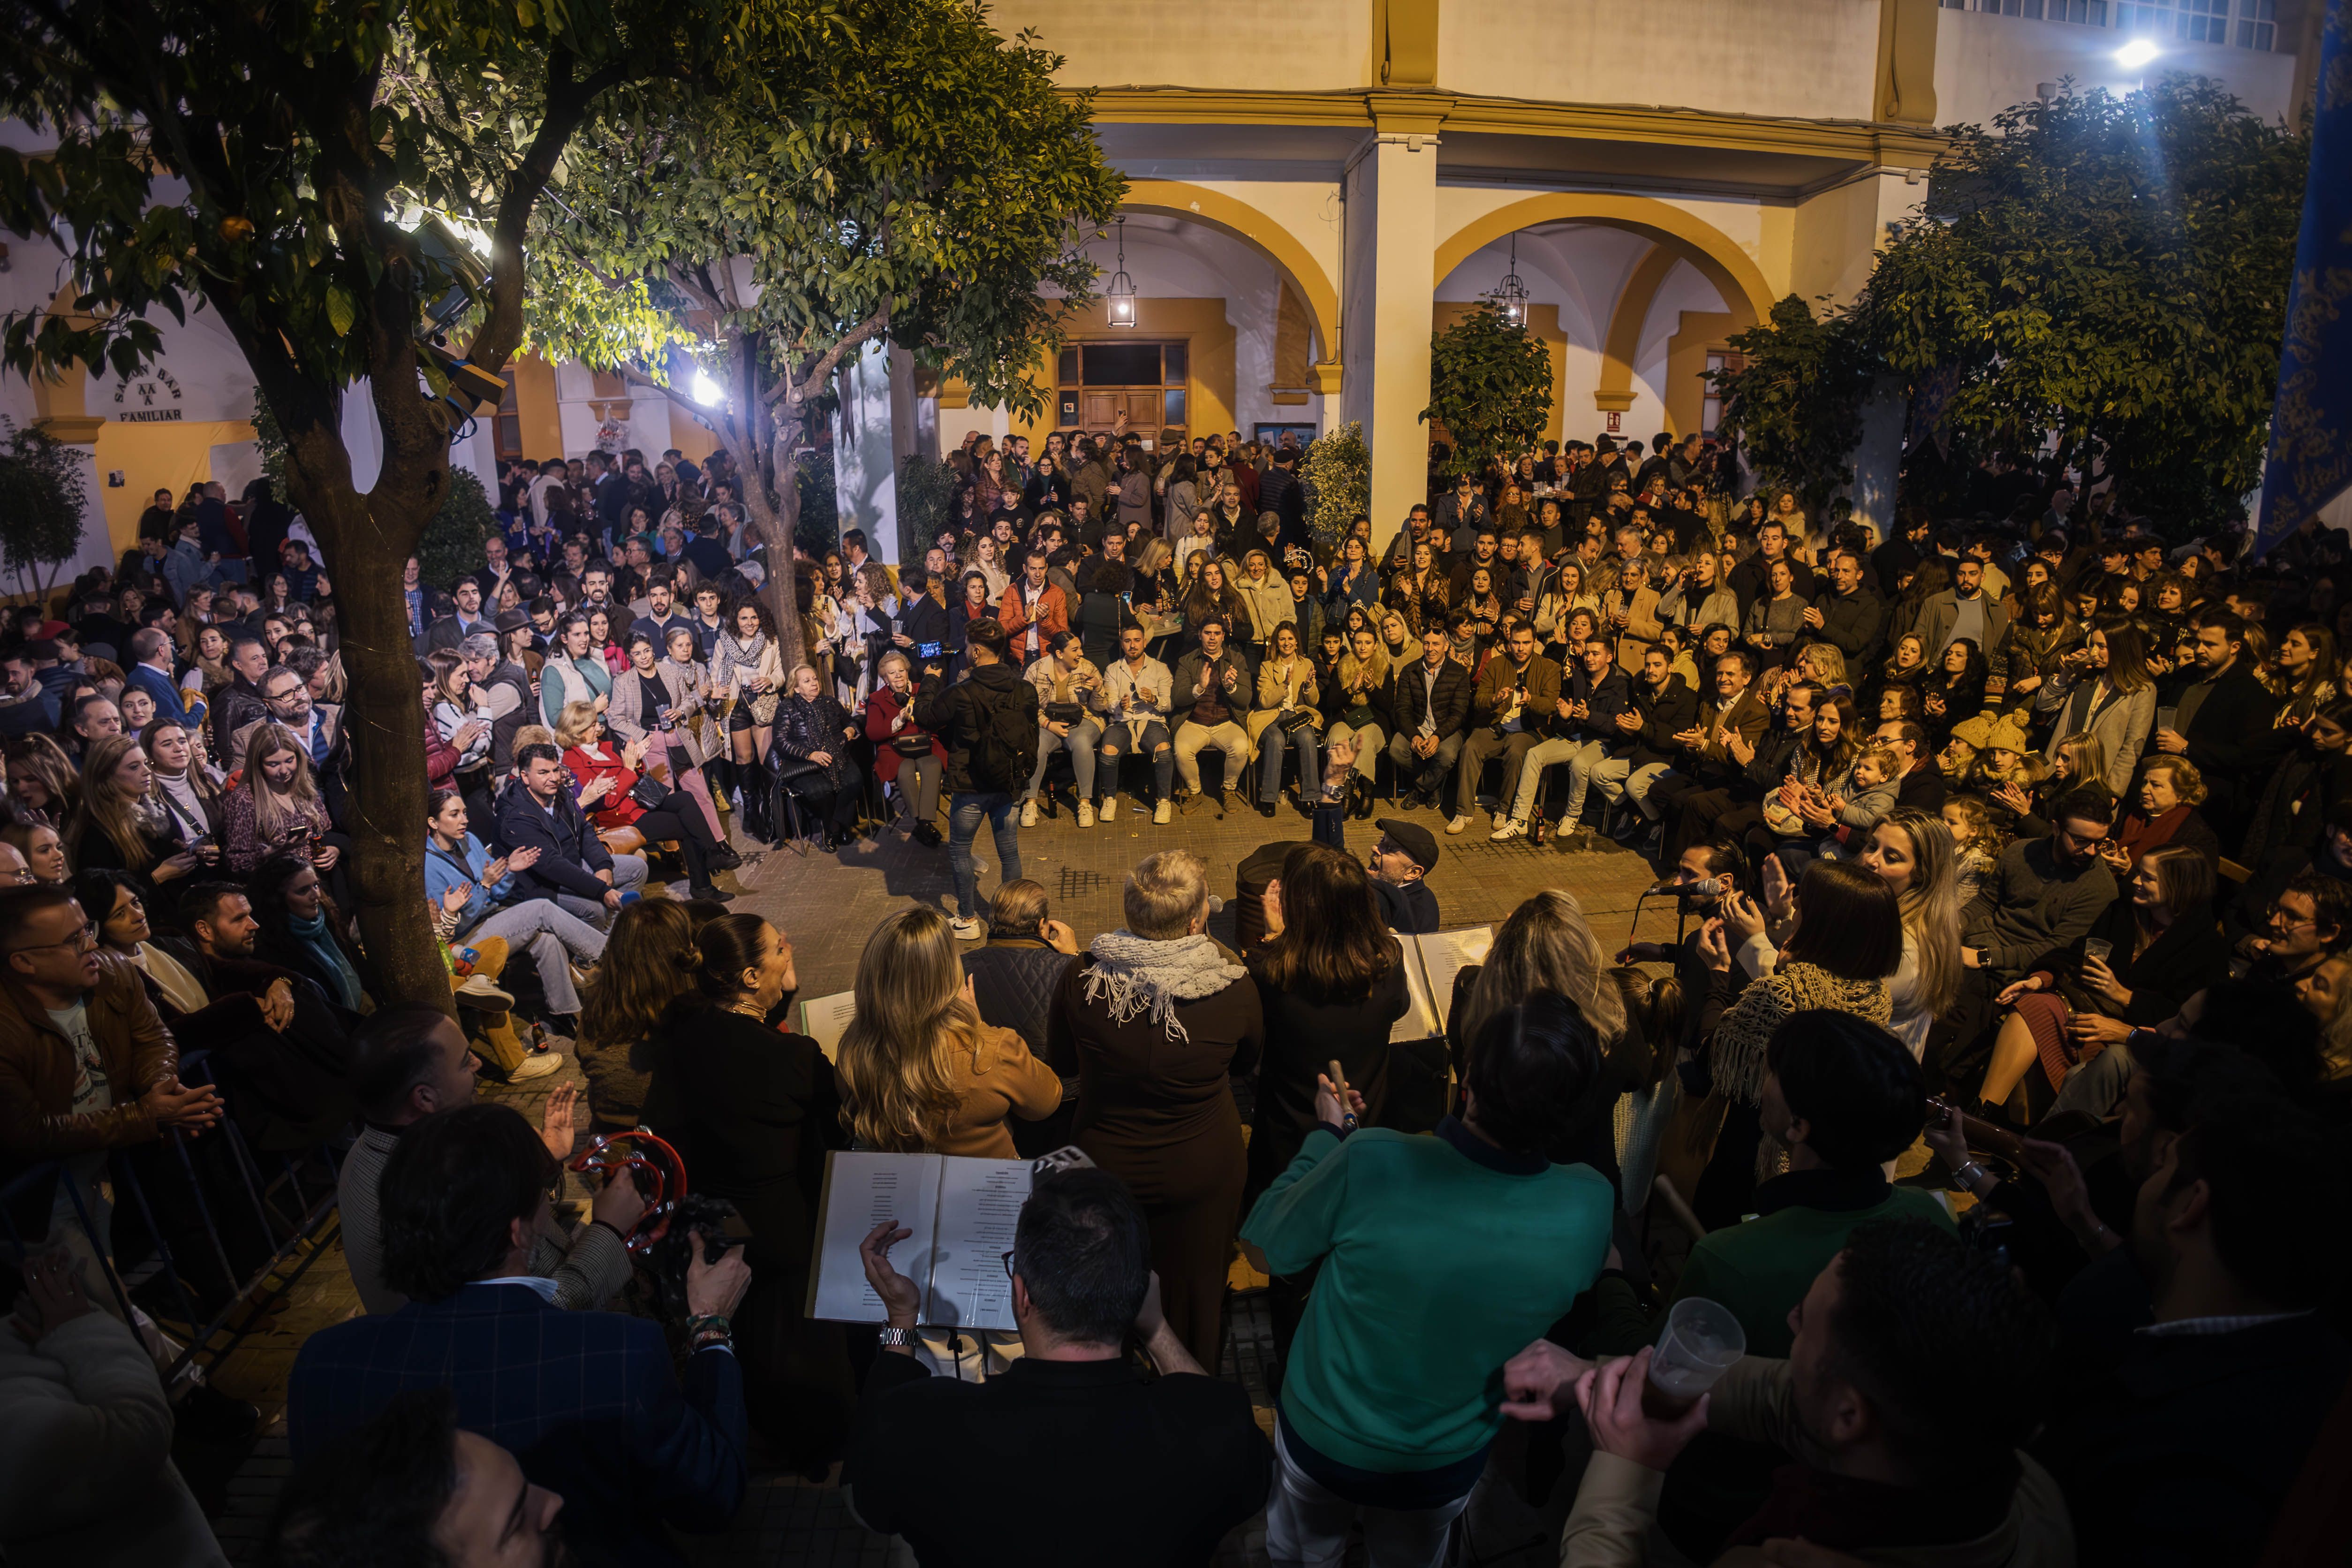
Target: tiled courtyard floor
[[827, 903]]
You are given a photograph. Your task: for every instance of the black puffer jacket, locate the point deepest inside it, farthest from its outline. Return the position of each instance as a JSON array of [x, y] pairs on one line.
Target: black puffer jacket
[[1016, 982], [955, 713], [804, 725]]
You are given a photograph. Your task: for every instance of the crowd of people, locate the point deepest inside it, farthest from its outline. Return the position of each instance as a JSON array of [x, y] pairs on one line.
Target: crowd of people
[[2018, 850]]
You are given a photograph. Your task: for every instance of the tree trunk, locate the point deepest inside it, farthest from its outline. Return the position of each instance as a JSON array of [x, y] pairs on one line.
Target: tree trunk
[[367, 540], [773, 519]]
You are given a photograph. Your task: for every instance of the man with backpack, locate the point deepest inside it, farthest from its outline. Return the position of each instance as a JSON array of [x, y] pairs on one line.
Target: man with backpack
[[988, 721]]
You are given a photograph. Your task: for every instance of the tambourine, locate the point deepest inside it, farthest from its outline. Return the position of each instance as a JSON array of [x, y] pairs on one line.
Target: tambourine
[[617, 1154]]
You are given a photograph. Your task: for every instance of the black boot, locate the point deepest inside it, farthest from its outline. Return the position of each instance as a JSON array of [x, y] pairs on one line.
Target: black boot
[[759, 795]]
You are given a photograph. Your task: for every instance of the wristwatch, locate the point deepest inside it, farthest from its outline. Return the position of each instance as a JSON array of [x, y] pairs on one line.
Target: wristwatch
[[903, 1339]]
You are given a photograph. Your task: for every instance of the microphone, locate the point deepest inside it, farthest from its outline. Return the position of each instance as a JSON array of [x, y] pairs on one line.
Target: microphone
[[1704, 888]]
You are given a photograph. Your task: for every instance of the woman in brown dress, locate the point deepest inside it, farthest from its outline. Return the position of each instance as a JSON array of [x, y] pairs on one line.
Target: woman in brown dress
[[1154, 1020]]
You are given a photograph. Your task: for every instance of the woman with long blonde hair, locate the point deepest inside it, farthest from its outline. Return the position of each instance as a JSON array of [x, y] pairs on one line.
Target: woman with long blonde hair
[[1546, 945], [1915, 854], [920, 1072], [121, 825]]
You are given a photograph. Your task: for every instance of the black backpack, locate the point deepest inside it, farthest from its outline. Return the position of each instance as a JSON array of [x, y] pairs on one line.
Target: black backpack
[[1003, 742]]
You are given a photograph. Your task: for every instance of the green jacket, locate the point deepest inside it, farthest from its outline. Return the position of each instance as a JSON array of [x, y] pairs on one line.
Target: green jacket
[[1443, 1257], [1761, 1267]]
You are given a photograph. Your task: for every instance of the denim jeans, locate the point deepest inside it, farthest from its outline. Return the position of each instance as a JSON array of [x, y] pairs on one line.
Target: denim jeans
[[1272, 746], [628, 872], [1424, 774], [1080, 742], [1307, 1525], [1117, 741], [964, 814], [554, 937]]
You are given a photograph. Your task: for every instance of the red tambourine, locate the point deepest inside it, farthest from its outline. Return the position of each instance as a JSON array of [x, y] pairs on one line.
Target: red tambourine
[[616, 1154]]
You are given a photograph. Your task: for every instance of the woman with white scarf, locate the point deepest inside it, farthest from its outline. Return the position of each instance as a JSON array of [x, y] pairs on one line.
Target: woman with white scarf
[[1154, 1020]]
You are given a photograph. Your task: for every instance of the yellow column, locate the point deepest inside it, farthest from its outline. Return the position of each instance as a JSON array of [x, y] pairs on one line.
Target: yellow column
[[1390, 265]]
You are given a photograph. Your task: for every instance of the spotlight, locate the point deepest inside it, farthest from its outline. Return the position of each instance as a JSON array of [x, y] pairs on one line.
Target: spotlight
[[705, 390], [2136, 53]]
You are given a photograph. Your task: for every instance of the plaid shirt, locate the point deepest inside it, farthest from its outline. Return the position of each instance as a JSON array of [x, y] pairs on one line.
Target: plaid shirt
[[587, 1401]]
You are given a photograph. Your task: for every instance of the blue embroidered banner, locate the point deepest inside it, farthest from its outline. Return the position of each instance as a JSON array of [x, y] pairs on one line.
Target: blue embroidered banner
[[2310, 461]]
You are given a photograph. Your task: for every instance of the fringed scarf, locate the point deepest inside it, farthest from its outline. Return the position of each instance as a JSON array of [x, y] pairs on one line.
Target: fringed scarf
[[1134, 975]]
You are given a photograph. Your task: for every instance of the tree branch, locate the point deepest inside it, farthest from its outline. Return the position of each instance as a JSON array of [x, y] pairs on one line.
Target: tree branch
[[568, 101], [797, 392]]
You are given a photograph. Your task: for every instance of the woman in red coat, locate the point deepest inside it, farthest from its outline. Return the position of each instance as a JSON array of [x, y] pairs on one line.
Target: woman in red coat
[[905, 753]]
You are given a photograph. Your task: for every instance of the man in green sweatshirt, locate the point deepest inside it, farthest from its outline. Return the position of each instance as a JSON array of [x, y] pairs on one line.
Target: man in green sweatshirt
[[1440, 1256]]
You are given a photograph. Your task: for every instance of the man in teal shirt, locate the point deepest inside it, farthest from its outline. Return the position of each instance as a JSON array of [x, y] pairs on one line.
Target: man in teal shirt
[[1441, 1257]]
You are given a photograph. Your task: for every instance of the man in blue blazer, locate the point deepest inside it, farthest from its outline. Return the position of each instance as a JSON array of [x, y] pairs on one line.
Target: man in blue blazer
[[590, 1404]]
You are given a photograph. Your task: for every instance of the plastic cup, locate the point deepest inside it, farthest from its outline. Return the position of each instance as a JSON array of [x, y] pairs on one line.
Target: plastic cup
[[2098, 948], [2165, 716], [1698, 1344]]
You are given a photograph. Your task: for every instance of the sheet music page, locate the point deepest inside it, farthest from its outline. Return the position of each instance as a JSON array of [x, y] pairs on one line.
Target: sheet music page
[[1419, 1021], [823, 1018], [1431, 962], [979, 1211], [861, 1190], [1443, 955]]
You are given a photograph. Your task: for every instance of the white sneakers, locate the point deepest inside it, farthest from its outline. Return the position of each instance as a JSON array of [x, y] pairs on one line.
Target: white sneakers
[[1160, 812], [1029, 812], [968, 930], [1459, 825], [536, 1065], [1511, 828], [1109, 809], [1501, 817], [1085, 814]]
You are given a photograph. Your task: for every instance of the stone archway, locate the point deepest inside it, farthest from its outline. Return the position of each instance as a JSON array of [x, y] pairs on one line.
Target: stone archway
[[1675, 236], [1238, 220]]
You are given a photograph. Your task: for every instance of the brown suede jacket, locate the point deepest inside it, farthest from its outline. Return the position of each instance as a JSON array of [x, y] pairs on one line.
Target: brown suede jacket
[[36, 1068]]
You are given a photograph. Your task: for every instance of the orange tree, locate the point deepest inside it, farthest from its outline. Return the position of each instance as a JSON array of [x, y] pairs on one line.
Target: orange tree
[[268, 163]]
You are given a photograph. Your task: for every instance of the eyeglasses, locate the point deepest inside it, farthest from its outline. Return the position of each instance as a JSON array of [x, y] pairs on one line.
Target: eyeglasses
[[1008, 1266], [83, 940]]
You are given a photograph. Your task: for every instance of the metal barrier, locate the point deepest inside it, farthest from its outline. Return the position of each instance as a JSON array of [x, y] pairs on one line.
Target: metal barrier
[[287, 1221]]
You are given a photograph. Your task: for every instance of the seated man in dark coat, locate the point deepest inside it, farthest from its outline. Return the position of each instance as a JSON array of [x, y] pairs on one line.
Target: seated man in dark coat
[[588, 1403], [2180, 1442], [1142, 1472]]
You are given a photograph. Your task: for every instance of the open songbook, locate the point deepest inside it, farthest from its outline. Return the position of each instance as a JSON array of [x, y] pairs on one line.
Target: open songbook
[[1431, 962], [963, 1214]]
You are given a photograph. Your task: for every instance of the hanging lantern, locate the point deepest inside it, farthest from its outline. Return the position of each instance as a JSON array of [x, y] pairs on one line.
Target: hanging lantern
[[1510, 296], [1121, 292]]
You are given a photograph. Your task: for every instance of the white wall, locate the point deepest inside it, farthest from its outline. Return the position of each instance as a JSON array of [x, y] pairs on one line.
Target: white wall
[[1815, 58], [1986, 63], [1239, 44]]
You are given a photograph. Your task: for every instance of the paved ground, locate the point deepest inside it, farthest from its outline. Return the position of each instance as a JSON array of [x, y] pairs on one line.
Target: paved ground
[[827, 903]]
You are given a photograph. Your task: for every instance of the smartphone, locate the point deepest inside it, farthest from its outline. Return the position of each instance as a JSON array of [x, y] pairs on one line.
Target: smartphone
[[929, 650]]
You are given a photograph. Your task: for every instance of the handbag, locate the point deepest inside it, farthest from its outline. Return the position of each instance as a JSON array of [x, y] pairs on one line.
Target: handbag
[[1063, 712], [1295, 719], [651, 793]]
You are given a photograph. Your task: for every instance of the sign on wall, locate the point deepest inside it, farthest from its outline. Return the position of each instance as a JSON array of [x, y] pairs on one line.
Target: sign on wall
[[151, 397]]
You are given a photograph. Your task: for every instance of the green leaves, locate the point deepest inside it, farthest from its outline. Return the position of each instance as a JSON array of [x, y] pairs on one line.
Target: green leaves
[[1796, 405], [2112, 273], [1490, 386]]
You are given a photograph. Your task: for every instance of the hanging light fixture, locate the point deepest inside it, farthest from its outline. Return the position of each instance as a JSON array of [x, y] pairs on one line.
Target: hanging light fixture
[[1510, 296], [1121, 292]]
